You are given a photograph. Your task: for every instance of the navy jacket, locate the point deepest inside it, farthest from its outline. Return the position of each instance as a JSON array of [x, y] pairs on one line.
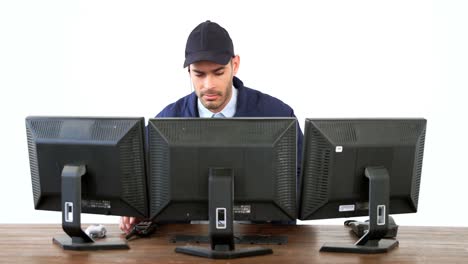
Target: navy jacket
[[250, 103]]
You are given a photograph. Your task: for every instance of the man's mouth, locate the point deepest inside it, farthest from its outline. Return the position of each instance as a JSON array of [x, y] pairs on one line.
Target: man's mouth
[[211, 96]]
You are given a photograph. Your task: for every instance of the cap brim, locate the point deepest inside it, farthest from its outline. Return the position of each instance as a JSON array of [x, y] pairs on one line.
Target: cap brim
[[219, 58]]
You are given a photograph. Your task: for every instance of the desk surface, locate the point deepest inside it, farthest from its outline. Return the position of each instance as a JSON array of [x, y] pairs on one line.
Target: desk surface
[[33, 244]]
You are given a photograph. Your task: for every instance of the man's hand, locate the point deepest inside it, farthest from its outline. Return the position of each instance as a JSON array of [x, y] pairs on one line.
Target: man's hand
[[127, 223]]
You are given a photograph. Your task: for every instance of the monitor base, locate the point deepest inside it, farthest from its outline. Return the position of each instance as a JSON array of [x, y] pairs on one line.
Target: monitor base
[[110, 243], [223, 254], [371, 247], [239, 239]]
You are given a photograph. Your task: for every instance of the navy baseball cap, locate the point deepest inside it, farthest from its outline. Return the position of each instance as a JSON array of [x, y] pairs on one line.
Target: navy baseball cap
[[209, 42]]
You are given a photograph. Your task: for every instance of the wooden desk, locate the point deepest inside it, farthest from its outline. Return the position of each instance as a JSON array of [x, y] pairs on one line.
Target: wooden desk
[[33, 244]]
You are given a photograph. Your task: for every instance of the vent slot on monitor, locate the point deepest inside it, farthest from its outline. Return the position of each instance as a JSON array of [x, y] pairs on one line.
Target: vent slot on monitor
[[132, 167], [33, 164], [317, 162], [159, 171], [417, 176], [286, 166]]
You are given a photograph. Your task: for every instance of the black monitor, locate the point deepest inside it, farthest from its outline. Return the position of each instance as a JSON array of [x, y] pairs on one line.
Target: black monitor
[[220, 170], [90, 165], [362, 167]]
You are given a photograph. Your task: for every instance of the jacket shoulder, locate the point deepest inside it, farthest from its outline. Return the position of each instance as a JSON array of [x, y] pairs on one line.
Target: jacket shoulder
[[176, 109], [267, 104]]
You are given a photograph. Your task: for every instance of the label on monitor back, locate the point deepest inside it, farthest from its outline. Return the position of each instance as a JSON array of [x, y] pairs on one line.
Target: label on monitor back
[[100, 204], [346, 208], [242, 209]]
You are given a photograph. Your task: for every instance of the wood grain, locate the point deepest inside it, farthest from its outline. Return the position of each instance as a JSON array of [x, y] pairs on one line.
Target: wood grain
[[33, 244]]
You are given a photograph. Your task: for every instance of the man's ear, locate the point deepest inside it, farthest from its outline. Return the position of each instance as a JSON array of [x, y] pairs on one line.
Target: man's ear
[[235, 64]]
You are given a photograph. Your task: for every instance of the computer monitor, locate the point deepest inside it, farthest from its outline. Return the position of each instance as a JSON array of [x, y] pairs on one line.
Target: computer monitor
[[90, 165], [221, 169], [360, 167]]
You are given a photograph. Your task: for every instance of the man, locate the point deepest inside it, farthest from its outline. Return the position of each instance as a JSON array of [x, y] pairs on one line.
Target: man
[[212, 66]]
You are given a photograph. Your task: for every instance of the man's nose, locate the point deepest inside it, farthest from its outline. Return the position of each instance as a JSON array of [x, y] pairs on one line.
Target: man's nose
[[208, 82]]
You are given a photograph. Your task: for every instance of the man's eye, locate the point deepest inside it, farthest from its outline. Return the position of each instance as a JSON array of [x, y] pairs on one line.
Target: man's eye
[[219, 73]]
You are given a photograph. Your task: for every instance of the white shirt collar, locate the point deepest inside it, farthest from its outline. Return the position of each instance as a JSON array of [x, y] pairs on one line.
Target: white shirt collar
[[228, 111]]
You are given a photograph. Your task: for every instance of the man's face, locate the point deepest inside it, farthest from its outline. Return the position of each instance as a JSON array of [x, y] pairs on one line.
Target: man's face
[[213, 82]]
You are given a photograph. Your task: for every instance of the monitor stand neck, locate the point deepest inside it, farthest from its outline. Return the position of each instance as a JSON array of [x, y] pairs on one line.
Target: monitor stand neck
[[379, 195], [221, 200], [77, 239]]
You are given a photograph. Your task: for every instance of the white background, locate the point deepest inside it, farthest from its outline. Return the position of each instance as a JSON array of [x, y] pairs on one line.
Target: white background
[[323, 58]]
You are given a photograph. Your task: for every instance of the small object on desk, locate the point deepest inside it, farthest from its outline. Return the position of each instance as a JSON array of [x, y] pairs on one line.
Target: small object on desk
[[142, 229], [96, 231], [360, 228]]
